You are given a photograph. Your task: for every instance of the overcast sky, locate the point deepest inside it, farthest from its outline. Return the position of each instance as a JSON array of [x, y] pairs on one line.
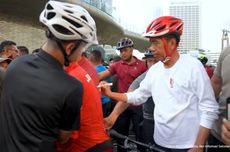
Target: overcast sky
[[137, 14]]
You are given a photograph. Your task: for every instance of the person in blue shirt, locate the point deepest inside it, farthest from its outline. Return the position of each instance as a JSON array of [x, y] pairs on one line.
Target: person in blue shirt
[[97, 60]]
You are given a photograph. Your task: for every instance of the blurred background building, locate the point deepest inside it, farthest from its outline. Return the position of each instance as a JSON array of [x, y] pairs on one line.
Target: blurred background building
[[190, 13]]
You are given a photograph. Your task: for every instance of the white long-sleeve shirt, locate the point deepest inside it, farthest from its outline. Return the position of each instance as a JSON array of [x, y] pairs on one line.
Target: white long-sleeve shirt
[[184, 101]]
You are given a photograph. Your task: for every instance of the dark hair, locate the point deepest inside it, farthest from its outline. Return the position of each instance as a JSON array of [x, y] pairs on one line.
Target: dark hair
[[35, 51], [173, 35], [84, 54], [96, 56], [6, 43], [23, 49]]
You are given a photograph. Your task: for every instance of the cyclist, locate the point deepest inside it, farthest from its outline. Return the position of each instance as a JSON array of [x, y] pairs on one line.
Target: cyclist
[[148, 107], [40, 102], [127, 69], [180, 89], [92, 136]]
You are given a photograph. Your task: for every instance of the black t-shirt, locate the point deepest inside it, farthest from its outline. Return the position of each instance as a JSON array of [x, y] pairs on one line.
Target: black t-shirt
[[38, 99]]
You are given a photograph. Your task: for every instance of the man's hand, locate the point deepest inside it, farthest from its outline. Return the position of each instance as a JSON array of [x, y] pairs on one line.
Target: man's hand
[[64, 136], [196, 149], [111, 119], [225, 133], [200, 140], [104, 87]]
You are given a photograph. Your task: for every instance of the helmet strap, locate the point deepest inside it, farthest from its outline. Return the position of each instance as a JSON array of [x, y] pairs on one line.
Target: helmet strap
[[168, 55], [60, 45], [77, 45]]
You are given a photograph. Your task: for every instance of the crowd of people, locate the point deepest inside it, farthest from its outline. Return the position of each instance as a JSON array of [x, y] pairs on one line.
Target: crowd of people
[[58, 98]]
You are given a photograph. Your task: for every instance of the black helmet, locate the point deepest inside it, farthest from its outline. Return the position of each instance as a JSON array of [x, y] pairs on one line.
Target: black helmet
[[124, 43], [148, 54]]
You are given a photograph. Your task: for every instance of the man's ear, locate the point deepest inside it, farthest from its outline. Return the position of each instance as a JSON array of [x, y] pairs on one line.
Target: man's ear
[[172, 43], [69, 47]]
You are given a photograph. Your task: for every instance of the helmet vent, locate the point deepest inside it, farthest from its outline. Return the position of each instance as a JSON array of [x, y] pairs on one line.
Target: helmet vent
[[49, 7], [77, 32], [84, 18], [68, 6], [173, 19], [156, 24], [161, 28], [72, 22], [62, 29], [179, 28], [68, 11], [50, 15], [173, 24]]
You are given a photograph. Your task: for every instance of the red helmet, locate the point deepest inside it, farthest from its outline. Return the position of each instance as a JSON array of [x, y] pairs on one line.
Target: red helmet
[[164, 25]]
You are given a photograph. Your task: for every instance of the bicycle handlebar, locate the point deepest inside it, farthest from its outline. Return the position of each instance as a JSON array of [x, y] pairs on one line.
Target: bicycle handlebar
[[114, 134]]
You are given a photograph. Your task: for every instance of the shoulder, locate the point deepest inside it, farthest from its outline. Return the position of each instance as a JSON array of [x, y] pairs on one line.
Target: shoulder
[[76, 71], [189, 61], [22, 59], [100, 68], [116, 65], [189, 58], [156, 67], [85, 63], [22, 63], [139, 61], [71, 84], [192, 67], [80, 74], [68, 78]]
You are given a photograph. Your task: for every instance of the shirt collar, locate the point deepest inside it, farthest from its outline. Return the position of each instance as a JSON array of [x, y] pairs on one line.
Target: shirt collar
[[124, 62], [50, 59]]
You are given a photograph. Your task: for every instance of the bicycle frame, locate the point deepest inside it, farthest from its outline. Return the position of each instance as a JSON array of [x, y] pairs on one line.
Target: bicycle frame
[[130, 144]]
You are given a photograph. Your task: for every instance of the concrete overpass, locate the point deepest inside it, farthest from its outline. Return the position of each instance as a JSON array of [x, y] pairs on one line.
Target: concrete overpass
[[109, 32]]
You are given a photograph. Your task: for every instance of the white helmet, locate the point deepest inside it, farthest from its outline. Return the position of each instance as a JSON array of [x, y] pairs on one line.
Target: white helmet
[[69, 22]]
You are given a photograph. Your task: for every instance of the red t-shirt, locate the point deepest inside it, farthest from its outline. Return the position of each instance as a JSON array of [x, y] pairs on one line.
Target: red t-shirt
[[209, 70], [90, 69], [127, 73], [92, 129]]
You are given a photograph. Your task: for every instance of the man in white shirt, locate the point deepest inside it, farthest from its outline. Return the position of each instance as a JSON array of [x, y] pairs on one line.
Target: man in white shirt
[[185, 106]]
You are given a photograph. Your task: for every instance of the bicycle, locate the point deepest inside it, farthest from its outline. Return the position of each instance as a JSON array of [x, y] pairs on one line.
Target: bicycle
[[129, 144]]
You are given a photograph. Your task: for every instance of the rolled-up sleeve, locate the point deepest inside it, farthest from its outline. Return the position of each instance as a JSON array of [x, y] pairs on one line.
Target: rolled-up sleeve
[[208, 107]]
